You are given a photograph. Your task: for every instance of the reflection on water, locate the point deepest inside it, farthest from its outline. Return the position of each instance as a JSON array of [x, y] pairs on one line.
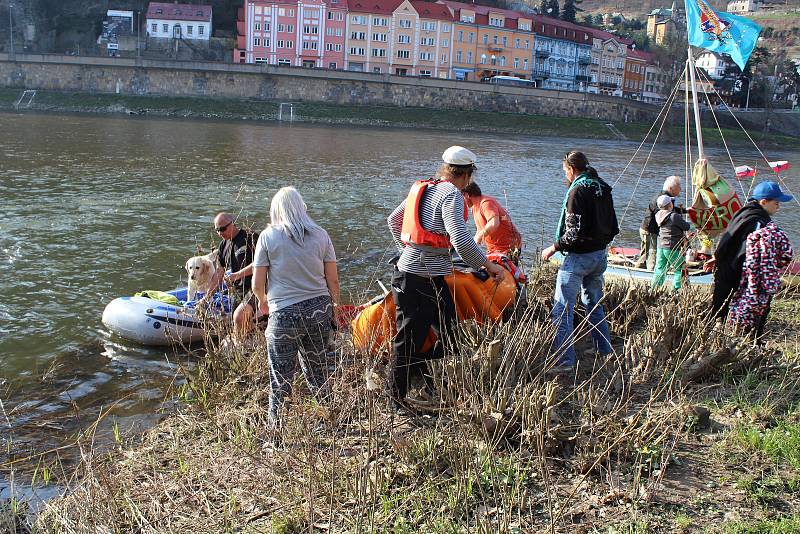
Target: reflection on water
[[96, 207]]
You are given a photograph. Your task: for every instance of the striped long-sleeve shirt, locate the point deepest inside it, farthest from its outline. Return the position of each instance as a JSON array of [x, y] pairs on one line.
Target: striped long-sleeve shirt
[[441, 211]]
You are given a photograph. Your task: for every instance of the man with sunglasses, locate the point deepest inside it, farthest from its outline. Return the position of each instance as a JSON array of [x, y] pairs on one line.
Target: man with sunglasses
[[235, 254]]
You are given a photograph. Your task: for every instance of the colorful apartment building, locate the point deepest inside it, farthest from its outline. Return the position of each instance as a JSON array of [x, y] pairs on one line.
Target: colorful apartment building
[[490, 41], [369, 35], [635, 69], [562, 54], [607, 69], [655, 89], [309, 33]]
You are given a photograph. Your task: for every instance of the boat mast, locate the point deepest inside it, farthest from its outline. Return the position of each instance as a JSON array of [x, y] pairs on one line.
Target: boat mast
[[697, 128]]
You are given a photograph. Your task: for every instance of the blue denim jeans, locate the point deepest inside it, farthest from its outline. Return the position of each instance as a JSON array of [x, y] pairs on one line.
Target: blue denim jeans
[[584, 273]]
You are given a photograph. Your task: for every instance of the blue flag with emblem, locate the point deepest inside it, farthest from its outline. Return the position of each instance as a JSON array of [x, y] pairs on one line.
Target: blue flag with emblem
[[721, 32]]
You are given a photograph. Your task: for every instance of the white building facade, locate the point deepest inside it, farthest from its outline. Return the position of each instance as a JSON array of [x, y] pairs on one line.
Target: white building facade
[[743, 6], [179, 21], [713, 64]]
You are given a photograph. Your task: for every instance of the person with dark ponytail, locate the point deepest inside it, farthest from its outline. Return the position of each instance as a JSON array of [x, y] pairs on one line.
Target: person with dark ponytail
[[586, 226]]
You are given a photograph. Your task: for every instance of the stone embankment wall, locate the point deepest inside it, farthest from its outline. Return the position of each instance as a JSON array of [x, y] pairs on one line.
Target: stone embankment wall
[[225, 80]]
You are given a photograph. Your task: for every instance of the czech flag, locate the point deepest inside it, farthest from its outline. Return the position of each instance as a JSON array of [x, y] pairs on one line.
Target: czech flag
[[745, 171], [779, 166]]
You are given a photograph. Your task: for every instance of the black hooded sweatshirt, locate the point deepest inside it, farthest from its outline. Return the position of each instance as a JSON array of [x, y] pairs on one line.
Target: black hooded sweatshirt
[[732, 246], [590, 221]]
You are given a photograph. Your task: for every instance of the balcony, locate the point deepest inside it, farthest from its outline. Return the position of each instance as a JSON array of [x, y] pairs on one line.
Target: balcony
[[608, 85], [584, 60], [542, 53], [582, 78], [495, 48], [541, 74]]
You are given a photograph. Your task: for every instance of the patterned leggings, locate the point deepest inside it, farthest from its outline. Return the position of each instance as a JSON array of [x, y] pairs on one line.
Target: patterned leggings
[[299, 333]]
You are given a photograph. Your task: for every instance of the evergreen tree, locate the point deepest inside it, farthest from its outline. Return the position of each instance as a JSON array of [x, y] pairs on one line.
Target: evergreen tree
[[588, 19], [552, 7], [569, 11]]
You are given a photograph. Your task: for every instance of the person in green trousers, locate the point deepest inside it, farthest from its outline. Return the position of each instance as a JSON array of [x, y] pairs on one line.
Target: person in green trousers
[[672, 228]]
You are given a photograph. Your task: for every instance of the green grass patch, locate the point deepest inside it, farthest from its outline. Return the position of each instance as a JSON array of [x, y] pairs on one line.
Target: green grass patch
[[780, 443], [782, 525]]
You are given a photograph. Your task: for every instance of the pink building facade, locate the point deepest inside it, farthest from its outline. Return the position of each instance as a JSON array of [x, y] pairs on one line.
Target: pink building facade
[[297, 33]]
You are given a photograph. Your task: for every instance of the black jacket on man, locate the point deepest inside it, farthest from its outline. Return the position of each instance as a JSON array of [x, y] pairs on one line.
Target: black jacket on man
[[590, 221], [649, 223]]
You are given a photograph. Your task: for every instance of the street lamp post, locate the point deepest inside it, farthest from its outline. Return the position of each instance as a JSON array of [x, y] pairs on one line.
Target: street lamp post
[[11, 28], [747, 102]]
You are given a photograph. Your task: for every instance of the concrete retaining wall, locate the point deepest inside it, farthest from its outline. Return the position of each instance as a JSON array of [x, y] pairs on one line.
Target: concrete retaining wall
[[266, 82]]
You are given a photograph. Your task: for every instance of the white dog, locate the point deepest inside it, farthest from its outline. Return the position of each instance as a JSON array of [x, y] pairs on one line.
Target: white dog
[[202, 271]]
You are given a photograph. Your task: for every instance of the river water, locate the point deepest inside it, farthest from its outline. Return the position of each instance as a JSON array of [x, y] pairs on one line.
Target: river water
[[97, 207]]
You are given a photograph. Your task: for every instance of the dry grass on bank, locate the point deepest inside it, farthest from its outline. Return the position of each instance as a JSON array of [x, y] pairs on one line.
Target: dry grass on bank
[[507, 448]]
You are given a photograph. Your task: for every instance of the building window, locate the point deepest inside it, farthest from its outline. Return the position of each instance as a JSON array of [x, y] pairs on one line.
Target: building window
[[165, 27], [403, 54], [329, 31], [290, 28], [329, 47], [378, 52], [339, 16], [284, 63], [444, 59], [425, 73], [469, 58], [405, 23], [525, 26], [355, 51], [330, 17], [332, 65], [494, 21], [256, 26], [378, 21], [458, 56], [470, 36], [467, 18], [483, 59], [358, 36], [445, 43], [494, 39], [338, 32], [485, 38], [359, 19], [289, 44], [256, 42], [154, 27], [516, 62], [525, 64], [338, 48], [266, 26], [404, 39], [505, 41], [445, 27], [425, 56], [381, 37], [281, 28], [290, 12], [280, 44], [261, 60], [376, 70], [460, 36], [429, 26]]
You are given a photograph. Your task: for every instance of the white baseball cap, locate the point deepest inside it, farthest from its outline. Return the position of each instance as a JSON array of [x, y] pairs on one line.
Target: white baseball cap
[[458, 155], [664, 200]]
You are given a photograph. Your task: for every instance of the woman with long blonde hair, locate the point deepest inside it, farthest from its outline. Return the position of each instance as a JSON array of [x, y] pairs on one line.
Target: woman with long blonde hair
[[296, 282]]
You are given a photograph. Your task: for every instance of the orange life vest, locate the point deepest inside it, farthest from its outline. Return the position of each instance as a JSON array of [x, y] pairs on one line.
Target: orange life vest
[[412, 232]]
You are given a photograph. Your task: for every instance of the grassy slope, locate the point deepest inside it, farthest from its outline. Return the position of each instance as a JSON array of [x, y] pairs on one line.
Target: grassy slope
[[509, 123], [625, 449]]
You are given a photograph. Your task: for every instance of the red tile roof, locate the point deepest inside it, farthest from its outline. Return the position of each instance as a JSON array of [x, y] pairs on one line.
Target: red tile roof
[[640, 55], [574, 32], [165, 11], [378, 7], [432, 10]]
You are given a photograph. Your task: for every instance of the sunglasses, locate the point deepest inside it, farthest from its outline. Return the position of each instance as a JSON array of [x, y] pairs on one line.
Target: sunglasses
[[222, 228]]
